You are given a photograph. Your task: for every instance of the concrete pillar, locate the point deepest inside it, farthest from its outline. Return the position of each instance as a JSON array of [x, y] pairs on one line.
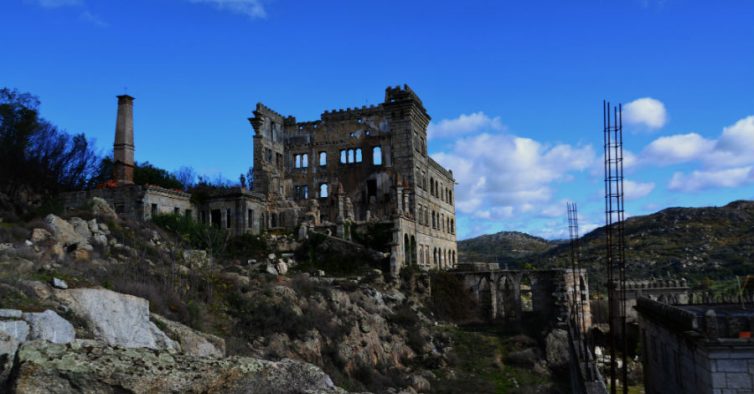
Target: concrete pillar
[[123, 147]]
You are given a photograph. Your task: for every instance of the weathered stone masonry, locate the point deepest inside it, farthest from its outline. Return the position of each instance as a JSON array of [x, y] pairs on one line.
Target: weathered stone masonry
[[359, 165]]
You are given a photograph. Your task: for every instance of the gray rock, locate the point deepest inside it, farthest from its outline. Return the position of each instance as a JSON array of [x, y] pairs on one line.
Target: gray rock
[[270, 269], [40, 235], [93, 227], [18, 329], [556, 348], [49, 326], [101, 208], [87, 367], [116, 319], [196, 258], [81, 227], [523, 358], [192, 342], [281, 267], [104, 229], [64, 232], [5, 246], [59, 283], [419, 383], [99, 239], [10, 313], [8, 347]]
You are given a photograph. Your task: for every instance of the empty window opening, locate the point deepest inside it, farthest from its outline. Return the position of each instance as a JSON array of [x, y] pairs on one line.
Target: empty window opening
[[323, 190], [227, 218], [268, 155], [432, 186], [371, 187], [304, 160], [273, 220], [215, 218], [358, 155], [377, 156], [351, 156], [279, 159], [154, 209], [189, 213], [343, 156], [177, 211], [322, 159], [297, 161], [250, 218]]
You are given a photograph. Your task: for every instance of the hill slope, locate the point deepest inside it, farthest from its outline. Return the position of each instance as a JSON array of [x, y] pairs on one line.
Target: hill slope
[[714, 242], [505, 247]]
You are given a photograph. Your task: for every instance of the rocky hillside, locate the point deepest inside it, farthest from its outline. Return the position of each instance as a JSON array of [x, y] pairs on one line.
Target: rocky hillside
[[696, 243], [714, 242], [505, 247]]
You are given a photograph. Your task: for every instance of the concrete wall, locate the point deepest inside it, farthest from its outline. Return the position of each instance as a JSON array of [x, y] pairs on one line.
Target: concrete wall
[[675, 363]]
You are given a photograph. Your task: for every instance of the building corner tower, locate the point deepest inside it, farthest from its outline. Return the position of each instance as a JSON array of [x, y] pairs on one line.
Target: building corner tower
[[123, 148]]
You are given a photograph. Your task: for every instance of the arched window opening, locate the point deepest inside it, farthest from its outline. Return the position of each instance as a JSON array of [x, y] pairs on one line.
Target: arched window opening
[[377, 156], [322, 159], [323, 190], [304, 160], [527, 302], [351, 156], [343, 156], [358, 155], [406, 250]]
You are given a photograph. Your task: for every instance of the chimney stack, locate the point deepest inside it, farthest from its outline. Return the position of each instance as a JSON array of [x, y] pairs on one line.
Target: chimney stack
[[123, 148]]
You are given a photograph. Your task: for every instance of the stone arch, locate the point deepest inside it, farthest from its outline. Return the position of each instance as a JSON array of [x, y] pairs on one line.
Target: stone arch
[[506, 298], [412, 249], [406, 250], [526, 292]]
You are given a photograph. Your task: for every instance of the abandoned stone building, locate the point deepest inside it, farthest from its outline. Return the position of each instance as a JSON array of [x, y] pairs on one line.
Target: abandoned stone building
[[700, 348], [348, 169]]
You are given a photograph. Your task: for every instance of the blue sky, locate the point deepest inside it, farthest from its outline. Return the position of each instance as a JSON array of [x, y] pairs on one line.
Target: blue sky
[[514, 88]]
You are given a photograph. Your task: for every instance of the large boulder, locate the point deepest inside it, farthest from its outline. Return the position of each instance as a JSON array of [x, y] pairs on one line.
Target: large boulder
[[192, 342], [101, 208], [89, 367], [556, 349], [64, 232], [49, 326], [116, 319]]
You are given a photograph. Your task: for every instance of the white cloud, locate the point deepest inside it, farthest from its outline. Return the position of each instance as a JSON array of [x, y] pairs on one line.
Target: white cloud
[[502, 175], [251, 8], [735, 147], [700, 180], [646, 112], [678, 148], [55, 3], [634, 190], [93, 19], [464, 124]]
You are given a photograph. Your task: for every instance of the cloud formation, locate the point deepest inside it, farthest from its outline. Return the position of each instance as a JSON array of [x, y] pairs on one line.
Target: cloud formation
[[252, 8], [700, 180], [678, 148], [502, 175], [635, 190], [646, 112], [463, 125]]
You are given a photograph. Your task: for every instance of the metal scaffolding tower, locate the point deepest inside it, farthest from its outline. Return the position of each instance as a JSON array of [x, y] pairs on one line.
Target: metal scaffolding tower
[[615, 240]]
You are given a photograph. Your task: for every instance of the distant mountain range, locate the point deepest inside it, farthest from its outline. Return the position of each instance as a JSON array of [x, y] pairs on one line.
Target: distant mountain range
[[714, 242]]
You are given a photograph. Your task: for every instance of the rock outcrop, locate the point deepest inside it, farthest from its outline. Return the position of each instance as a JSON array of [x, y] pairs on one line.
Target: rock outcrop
[[116, 319], [91, 367]]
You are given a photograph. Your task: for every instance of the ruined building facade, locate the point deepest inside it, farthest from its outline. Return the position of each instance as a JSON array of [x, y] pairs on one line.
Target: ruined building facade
[[348, 169]]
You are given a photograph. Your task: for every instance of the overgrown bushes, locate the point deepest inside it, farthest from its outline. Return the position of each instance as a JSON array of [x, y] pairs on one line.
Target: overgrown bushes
[[450, 300]]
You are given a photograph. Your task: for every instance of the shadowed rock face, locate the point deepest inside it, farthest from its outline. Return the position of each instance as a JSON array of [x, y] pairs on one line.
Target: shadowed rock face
[[90, 367]]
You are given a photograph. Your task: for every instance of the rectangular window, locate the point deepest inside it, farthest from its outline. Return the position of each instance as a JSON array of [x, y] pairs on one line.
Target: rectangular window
[[177, 211], [377, 155], [358, 155], [343, 157], [227, 218], [250, 218], [268, 155], [154, 209]]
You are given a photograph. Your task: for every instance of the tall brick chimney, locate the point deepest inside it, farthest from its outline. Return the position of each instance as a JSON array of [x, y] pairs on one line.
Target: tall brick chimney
[[123, 148]]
